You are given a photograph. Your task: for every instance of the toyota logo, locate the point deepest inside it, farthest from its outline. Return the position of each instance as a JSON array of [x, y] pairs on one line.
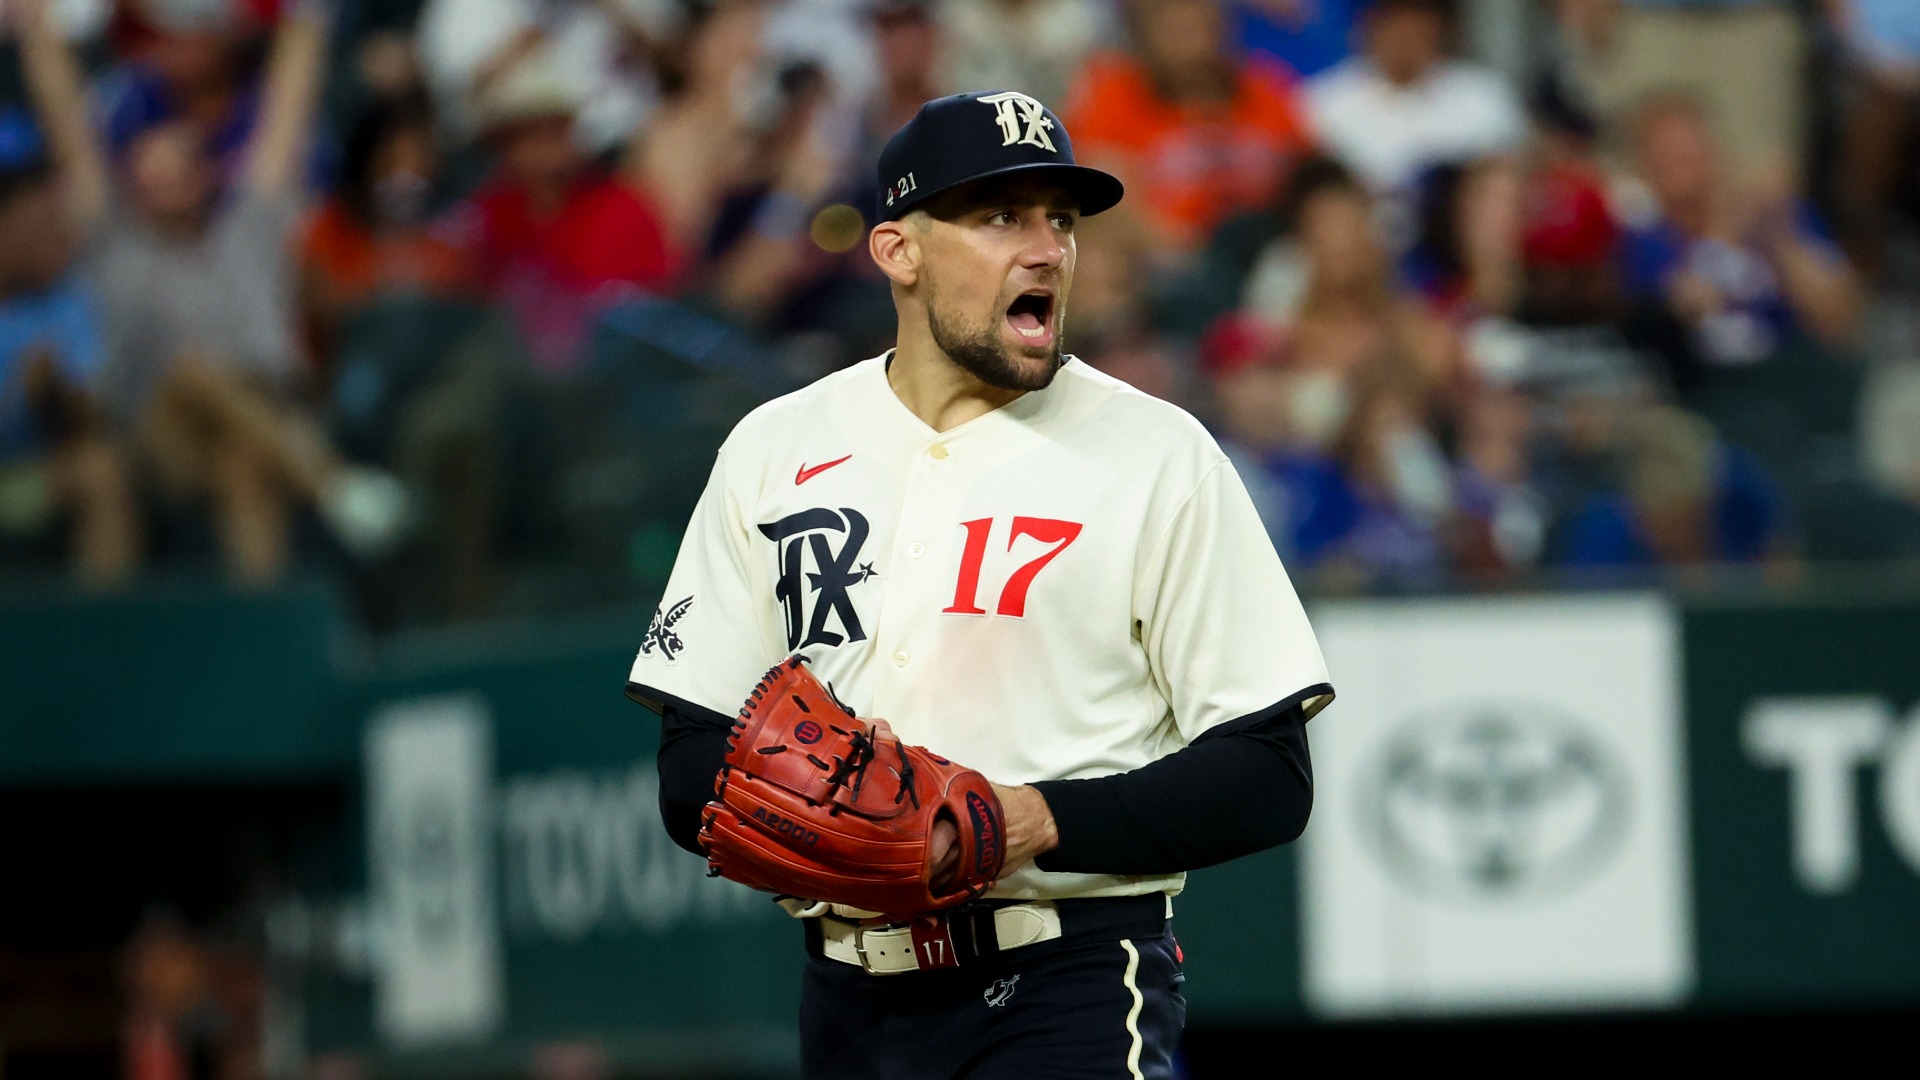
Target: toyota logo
[[1492, 801]]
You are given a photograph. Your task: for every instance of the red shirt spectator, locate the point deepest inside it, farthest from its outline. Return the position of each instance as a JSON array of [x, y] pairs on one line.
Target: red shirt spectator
[[603, 233], [553, 267], [555, 238]]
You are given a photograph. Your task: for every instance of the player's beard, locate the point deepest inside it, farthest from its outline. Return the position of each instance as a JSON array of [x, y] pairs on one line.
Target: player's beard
[[981, 353]]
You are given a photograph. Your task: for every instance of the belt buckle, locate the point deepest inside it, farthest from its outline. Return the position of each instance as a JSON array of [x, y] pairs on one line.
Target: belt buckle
[[860, 950], [930, 945]]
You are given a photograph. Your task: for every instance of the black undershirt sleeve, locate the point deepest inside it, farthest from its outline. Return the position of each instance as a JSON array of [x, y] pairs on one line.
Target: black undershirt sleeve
[[1242, 787], [693, 746]]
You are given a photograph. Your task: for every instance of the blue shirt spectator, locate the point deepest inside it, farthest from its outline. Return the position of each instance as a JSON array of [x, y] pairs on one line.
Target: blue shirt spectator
[[137, 100], [1735, 257], [62, 324], [1885, 33], [1330, 517], [1315, 36], [46, 309], [1754, 314], [1322, 508], [1739, 518]]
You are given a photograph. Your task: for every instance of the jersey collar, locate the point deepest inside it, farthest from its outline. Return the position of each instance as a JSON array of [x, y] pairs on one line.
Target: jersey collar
[[1028, 409]]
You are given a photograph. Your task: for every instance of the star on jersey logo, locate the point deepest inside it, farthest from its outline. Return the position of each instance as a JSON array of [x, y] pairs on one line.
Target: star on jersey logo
[[815, 599], [815, 581]]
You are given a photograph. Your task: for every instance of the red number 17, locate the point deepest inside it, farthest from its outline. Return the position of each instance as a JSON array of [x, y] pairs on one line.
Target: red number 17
[[1013, 596]]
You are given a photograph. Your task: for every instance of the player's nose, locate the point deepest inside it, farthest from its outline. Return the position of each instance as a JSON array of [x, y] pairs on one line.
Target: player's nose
[[1043, 247]]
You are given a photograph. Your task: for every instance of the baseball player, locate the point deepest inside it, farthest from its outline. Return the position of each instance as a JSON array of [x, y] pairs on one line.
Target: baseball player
[[1035, 575]]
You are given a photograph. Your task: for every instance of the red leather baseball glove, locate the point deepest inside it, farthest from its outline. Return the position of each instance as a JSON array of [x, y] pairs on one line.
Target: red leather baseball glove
[[816, 803]]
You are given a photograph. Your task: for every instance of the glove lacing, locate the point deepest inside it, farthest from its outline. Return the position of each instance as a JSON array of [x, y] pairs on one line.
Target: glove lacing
[[864, 751]]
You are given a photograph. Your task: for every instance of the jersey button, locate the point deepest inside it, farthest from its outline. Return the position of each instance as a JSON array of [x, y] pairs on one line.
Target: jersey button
[[916, 550], [939, 452], [900, 658]]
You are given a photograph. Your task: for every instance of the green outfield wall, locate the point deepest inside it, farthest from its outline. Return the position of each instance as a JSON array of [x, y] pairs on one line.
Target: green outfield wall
[[1525, 804]]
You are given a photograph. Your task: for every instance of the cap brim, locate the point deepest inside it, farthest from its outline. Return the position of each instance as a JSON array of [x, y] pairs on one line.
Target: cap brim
[[1094, 190]]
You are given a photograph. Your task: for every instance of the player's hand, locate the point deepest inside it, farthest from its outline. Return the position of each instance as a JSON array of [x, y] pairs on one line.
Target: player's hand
[[945, 846], [1031, 833]]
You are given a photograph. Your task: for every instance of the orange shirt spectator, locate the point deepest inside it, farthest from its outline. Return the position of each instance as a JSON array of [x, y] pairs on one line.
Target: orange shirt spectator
[[1189, 165], [375, 237], [354, 263]]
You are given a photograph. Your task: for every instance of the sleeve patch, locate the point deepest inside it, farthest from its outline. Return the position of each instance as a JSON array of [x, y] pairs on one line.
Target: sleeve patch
[[660, 632]]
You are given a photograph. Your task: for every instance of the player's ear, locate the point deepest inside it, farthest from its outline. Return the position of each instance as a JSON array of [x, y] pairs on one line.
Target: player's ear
[[895, 247]]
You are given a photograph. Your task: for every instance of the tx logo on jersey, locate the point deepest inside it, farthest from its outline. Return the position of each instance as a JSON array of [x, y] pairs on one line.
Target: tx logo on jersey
[[1022, 120], [830, 542], [660, 633]]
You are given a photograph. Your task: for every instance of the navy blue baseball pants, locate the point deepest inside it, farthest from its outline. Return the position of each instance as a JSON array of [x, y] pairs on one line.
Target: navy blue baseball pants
[[1101, 1005]]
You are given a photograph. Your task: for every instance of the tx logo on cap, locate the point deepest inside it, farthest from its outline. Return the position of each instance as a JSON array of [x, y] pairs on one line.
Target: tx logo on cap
[[1022, 119]]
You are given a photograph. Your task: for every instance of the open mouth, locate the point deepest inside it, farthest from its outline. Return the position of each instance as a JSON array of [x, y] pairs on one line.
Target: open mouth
[[1031, 315]]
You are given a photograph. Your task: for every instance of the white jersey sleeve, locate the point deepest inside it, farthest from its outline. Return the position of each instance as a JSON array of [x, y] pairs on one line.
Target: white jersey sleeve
[[1224, 631], [708, 643]]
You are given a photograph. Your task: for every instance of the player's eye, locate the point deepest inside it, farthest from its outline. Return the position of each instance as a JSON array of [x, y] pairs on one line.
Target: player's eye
[[1001, 217], [1063, 222]]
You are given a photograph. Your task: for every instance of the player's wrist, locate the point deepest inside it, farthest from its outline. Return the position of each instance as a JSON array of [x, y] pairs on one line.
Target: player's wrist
[[1031, 829]]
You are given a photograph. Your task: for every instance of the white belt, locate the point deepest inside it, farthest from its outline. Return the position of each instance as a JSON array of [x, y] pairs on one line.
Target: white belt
[[925, 944]]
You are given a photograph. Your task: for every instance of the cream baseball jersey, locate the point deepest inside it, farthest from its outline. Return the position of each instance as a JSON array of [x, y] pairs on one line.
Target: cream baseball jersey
[[1071, 586]]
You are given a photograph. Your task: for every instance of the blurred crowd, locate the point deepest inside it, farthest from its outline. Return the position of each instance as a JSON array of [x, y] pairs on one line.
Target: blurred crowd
[[458, 296]]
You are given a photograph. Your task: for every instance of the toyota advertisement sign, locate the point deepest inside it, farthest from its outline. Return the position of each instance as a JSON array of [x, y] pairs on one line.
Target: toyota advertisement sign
[[1501, 822]]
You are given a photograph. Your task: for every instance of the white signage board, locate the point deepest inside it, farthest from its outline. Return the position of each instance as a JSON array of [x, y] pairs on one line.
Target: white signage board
[[429, 776], [1499, 820]]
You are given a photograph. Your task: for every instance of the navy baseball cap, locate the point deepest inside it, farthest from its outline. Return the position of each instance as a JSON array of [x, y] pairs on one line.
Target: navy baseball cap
[[958, 139]]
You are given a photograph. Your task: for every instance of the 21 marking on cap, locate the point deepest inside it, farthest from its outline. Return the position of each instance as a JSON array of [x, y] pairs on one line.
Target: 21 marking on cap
[[901, 188]]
